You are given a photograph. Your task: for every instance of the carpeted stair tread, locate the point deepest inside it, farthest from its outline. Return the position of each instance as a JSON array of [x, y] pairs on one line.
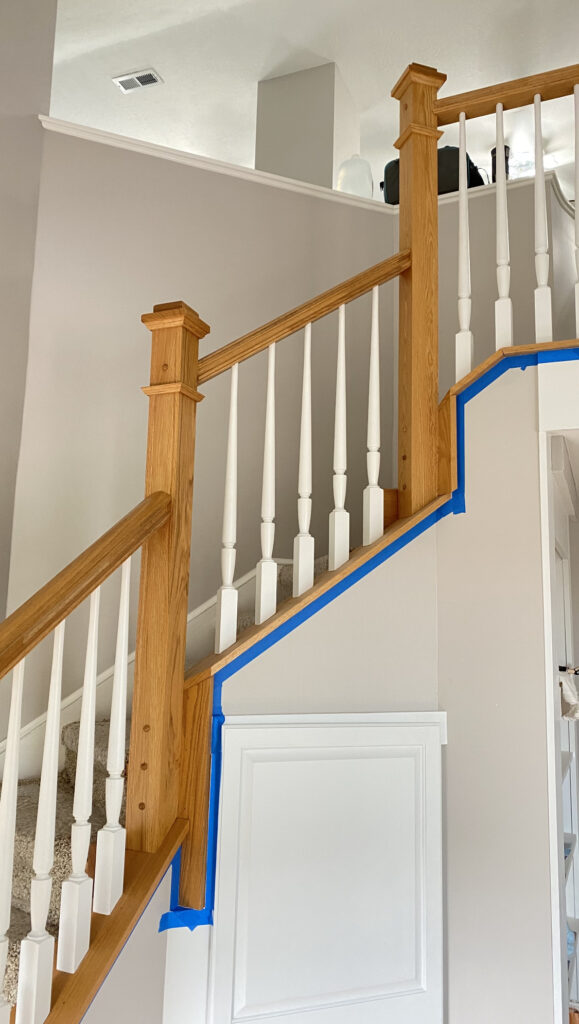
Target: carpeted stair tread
[[284, 590], [26, 811]]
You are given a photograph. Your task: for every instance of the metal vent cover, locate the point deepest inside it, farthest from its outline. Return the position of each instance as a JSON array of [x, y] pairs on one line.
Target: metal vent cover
[[137, 80]]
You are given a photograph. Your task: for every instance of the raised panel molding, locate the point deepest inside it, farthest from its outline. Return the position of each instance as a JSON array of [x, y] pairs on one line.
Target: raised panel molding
[[328, 902]]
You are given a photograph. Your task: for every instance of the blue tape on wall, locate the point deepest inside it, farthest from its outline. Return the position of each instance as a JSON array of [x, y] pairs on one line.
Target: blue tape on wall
[[181, 917]]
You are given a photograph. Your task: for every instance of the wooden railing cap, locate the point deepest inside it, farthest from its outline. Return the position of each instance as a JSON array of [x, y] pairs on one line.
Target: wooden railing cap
[[417, 73], [175, 314]]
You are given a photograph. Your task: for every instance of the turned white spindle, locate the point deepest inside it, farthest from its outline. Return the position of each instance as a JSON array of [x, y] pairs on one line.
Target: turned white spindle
[[503, 305], [76, 895], [111, 839], [373, 501], [303, 575], [339, 538], [576, 97], [37, 949], [8, 800], [266, 571], [543, 310], [226, 624], [464, 339]]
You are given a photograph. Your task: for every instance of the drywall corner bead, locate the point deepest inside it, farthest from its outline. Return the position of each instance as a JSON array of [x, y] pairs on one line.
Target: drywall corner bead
[[181, 917]]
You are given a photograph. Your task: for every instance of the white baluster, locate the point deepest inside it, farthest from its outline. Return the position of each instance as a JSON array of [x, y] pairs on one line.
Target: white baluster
[[111, 840], [503, 305], [226, 625], [543, 311], [76, 895], [266, 571], [373, 504], [303, 577], [576, 95], [37, 949], [339, 541], [8, 825], [464, 339]]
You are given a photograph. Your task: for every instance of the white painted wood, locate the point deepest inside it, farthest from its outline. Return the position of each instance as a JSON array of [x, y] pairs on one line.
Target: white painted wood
[[329, 888], [76, 895], [543, 309], [339, 532], [464, 338], [8, 800], [373, 499], [187, 975], [111, 839], [576, 100], [37, 949], [503, 305], [304, 542], [226, 624], [179, 156], [266, 570]]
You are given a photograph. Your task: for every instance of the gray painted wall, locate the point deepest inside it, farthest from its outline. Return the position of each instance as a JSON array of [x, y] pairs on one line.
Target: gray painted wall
[[374, 648], [492, 685], [119, 231], [26, 47]]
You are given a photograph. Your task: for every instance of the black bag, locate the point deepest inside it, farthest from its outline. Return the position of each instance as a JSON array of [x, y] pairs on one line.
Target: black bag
[[447, 175]]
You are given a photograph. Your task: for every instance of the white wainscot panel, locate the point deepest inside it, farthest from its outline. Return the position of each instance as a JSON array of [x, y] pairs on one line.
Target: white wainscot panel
[[328, 904]]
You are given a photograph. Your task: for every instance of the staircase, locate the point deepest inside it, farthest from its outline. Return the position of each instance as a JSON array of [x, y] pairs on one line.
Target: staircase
[[53, 828]]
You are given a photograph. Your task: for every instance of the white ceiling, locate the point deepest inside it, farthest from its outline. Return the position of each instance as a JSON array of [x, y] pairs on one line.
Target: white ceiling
[[211, 56]]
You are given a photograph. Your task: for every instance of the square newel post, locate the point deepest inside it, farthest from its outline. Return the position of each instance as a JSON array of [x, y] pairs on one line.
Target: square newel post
[[156, 727], [418, 316]]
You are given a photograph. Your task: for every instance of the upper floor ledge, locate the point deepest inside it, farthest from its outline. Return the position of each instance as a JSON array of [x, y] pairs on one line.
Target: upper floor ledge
[[250, 174]]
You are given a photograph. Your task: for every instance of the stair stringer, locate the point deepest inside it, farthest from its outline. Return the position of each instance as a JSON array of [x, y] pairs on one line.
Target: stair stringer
[[364, 561]]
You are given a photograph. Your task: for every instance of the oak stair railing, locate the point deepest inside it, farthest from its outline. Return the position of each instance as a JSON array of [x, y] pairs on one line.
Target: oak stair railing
[[170, 742]]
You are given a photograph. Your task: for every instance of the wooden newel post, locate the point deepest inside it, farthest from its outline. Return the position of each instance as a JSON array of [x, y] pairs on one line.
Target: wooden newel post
[[156, 728], [418, 331]]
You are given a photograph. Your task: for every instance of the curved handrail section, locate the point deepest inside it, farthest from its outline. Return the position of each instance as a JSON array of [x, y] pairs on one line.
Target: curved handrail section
[[284, 326], [520, 92], [37, 617]]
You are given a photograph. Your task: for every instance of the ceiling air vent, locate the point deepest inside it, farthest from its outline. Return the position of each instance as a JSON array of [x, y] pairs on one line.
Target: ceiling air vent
[[137, 80]]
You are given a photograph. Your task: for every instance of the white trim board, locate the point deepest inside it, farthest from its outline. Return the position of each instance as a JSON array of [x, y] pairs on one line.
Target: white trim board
[[203, 163]]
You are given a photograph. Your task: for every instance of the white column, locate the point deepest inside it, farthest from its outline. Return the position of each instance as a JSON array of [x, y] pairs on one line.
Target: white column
[[373, 500], [226, 624], [8, 801], [503, 305], [576, 96], [543, 311], [37, 949], [266, 571], [464, 339], [76, 895], [111, 840], [303, 577], [339, 533]]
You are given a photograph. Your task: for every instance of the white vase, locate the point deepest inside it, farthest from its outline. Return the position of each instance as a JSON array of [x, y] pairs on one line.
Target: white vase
[[355, 177]]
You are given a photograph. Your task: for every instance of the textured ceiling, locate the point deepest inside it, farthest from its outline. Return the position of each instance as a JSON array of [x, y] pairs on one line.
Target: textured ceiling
[[211, 56]]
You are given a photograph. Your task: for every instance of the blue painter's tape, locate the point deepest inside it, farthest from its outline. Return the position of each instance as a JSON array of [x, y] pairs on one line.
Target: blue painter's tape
[[181, 917], [185, 917]]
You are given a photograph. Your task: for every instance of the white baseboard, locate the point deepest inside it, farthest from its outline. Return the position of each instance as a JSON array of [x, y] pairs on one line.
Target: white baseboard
[[200, 630]]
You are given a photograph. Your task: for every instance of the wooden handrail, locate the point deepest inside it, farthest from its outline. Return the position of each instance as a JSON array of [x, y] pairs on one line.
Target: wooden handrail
[[283, 326], [38, 616], [519, 93]]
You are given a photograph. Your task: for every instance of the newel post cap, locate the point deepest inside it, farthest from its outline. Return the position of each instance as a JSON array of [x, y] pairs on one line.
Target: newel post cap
[[175, 314], [420, 74]]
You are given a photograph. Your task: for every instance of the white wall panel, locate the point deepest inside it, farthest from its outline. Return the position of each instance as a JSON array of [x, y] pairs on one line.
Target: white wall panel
[[328, 901]]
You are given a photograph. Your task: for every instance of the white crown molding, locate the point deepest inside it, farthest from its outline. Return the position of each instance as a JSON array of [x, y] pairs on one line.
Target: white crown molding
[[203, 163], [80, 131]]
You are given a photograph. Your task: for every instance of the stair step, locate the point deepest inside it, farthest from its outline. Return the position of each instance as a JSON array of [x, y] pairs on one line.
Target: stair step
[[284, 589], [27, 807]]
